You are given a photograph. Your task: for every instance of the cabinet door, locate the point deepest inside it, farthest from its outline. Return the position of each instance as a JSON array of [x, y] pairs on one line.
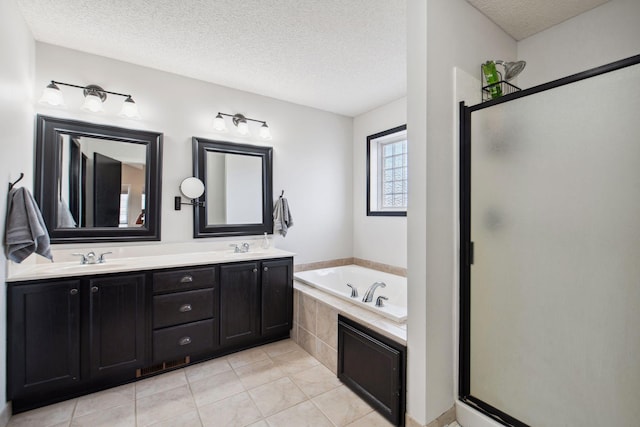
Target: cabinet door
[[277, 296], [239, 304], [43, 337], [117, 324]]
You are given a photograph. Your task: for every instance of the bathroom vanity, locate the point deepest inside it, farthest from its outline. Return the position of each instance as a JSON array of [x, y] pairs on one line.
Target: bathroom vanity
[[83, 330]]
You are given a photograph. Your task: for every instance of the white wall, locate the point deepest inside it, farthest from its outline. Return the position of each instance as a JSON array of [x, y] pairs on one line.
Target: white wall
[[442, 34], [17, 50], [377, 238], [312, 148], [605, 34]]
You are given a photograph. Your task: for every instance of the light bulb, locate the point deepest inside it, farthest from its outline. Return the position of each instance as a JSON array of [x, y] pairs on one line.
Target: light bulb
[[129, 109], [265, 132], [52, 95], [219, 124], [92, 102], [243, 127]]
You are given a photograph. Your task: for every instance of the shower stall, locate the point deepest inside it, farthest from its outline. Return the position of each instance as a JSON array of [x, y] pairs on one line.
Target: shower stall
[[550, 252]]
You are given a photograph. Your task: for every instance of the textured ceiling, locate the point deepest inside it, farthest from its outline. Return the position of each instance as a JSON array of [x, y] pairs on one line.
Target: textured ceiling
[[344, 56], [521, 18]]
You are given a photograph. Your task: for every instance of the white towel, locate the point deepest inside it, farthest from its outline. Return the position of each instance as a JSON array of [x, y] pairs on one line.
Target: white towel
[[65, 219], [25, 231], [282, 219]]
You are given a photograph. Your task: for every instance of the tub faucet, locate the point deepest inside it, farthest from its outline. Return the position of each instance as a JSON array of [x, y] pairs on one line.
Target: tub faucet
[[368, 296], [354, 290]]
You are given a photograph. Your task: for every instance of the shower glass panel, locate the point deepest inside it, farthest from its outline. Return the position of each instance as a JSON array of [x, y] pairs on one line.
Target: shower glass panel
[[554, 306]]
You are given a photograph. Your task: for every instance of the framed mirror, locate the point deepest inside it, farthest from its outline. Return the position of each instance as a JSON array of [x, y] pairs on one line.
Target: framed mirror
[[97, 183], [238, 193]]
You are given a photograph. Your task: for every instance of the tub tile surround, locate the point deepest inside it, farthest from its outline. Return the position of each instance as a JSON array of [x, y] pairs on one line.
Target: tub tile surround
[[250, 388], [398, 271]]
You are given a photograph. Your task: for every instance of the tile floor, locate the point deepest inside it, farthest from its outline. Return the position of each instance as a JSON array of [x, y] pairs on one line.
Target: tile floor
[[277, 384]]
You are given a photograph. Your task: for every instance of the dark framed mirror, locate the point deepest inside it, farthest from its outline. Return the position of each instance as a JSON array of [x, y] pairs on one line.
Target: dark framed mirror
[[97, 183], [238, 193]]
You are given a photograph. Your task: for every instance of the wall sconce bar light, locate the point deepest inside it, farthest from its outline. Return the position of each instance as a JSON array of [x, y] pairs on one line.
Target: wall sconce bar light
[[240, 121], [94, 97]]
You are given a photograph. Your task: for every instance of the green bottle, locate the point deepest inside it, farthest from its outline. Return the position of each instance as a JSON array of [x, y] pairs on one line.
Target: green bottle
[[491, 76]]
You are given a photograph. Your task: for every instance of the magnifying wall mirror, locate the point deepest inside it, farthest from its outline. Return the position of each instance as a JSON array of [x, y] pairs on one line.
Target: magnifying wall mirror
[[97, 183], [192, 188], [238, 188]]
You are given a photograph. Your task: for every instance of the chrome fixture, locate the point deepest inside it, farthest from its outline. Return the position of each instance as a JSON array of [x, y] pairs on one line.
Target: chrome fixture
[[192, 188], [242, 248], [511, 69], [240, 122], [368, 296], [379, 302], [94, 98], [354, 290], [90, 258]]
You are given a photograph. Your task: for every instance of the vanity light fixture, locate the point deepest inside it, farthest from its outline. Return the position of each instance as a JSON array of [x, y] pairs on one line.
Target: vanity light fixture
[[240, 122], [94, 97]]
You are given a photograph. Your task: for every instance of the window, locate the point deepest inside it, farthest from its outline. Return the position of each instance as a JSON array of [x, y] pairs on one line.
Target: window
[[387, 173]]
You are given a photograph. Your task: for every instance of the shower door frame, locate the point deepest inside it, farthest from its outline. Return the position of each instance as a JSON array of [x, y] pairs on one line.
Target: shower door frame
[[466, 245]]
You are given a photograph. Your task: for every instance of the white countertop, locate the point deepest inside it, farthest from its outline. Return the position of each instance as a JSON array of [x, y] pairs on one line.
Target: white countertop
[[51, 270]]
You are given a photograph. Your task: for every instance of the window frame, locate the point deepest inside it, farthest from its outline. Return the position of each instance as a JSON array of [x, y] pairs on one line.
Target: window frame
[[373, 182]]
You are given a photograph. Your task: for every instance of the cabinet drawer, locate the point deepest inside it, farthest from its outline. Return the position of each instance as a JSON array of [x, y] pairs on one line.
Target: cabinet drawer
[[184, 340], [184, 279], [182, 307]]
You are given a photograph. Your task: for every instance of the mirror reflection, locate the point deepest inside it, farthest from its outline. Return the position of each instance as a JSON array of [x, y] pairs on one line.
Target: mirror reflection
[[234, 182], [102, 183]]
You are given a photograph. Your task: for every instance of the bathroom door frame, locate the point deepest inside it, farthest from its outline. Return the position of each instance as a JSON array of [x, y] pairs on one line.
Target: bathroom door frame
[[466, 245]]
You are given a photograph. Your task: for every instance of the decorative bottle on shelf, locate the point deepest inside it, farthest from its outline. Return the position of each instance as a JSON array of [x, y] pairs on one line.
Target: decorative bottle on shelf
[[265, 242], [492, 78]]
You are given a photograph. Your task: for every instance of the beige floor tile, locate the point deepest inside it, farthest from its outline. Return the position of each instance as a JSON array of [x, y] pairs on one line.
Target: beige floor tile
[[206, 369], [295, 361], [47, 416], [163, 405], [261, 423], [280, 347], [304, 414], [372, 419], [262, 372], [276, 396], [216, 387], [187, 419], [110, 398], [118, 416], [247, 356], [341, 406], [238, 410], [316, 380], [160, 383]]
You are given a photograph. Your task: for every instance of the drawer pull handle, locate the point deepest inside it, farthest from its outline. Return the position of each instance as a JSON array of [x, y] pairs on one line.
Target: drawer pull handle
[[255, 270], [73, 291], [184, 341], [184, 308], [94, 289], [187, 279]]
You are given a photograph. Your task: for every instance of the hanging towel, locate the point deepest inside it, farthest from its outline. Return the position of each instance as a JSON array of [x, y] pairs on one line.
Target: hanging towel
[[282, 219], [25, 232]]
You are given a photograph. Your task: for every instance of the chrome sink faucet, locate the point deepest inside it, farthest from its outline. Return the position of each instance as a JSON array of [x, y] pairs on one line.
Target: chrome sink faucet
[[91, 258], [368, 296], [241, 248]]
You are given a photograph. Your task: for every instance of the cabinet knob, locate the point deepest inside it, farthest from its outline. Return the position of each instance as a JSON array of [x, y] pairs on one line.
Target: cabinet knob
[[186, 279], [255, 270], [73, 291], [184, 308], [266, 269], [94, 289], [184, 341]]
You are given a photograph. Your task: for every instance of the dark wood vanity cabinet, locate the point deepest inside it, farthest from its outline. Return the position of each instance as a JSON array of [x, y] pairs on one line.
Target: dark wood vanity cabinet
[[65, 336], [68, 337]]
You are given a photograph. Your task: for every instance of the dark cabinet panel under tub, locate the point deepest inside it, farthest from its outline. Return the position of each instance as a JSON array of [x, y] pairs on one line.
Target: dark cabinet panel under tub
[[374, 367]]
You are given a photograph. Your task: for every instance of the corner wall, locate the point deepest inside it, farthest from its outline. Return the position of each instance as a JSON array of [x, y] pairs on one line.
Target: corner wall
[[381, 239], [312, 148], [442, 34], [599, 36], [17, 50]]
